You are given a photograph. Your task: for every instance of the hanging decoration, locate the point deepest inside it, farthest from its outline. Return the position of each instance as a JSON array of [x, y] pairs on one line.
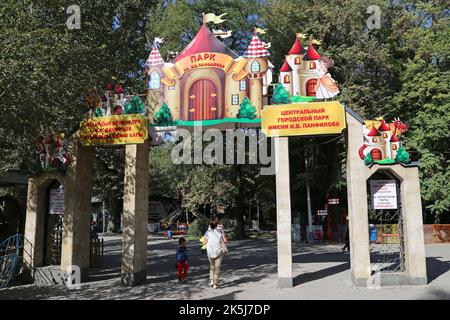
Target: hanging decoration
[[382, 144], [51, 154]]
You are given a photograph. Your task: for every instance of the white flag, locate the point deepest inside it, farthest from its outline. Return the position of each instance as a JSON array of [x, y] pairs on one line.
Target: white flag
[[223, 34], [211, 17]]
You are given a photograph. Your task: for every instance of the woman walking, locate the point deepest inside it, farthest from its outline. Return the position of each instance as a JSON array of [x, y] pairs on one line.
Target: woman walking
[[216, 248]]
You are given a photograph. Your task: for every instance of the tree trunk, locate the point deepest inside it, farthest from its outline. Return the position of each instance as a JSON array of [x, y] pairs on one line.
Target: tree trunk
[[115, 212], [240, 225]]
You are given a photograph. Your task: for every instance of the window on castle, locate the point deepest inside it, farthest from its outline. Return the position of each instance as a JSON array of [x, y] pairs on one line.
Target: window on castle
[[385, 135], [394, 147], [255, 67], [297, 60], [374, 139], [172, 88], [242, 85], [312, 65], [287, 79], [235, 99], [155, 81]]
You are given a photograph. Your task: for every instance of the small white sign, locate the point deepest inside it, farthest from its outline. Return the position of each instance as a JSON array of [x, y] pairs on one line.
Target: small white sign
[[383, 194], [56, 201]]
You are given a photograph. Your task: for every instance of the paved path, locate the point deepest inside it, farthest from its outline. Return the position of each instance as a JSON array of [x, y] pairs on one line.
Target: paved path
[[249, 272]]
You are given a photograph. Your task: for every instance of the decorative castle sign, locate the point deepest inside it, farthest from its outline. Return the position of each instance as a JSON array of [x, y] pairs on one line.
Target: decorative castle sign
[[382, 144], [303, 119], [210, 84]]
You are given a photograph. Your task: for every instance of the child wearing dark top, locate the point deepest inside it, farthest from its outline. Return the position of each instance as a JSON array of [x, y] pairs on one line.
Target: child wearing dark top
[[182, 260]]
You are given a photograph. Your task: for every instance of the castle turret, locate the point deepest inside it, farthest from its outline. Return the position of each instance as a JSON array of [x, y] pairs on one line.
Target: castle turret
[[154, 72], [385, 132], [286, 76], [257, 65], [394, 146], [309, 72], [295, 61], [119, 100], [377, 146]]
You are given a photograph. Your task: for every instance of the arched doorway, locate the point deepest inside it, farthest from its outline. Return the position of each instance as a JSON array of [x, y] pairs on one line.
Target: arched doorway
[[376, 154], [203, 100], [311, 87]]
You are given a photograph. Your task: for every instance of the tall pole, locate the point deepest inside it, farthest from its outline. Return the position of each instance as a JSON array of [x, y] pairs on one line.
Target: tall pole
[[104, 217], [308, 198], [257, 212]]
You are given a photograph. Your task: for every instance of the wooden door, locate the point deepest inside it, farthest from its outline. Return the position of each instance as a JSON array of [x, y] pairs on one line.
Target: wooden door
[[203, 100], [376, 154], [310, 88]]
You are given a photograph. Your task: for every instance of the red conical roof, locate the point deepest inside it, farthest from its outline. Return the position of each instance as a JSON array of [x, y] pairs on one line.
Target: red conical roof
[[384, 126], [119, 89], [297, 47], [373, 132], [256, 49], [311, 54], [394, 138], [286, 67], [205, 41], [154, 59]]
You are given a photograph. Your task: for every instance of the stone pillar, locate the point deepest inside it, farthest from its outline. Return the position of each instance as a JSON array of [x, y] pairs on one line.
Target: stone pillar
[[357, 204], [283, 212], [77, 209], [34, 225], [135, 214], [413, 226]]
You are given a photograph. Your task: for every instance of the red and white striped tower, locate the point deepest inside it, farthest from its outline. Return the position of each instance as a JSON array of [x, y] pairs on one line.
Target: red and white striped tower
[[153, 70], [257, 65]]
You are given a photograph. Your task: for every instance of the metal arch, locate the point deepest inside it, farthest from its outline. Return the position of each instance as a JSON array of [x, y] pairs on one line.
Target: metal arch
[[10, 259]]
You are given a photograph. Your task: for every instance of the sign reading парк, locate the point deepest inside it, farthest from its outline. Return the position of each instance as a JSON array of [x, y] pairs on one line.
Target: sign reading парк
[[114, 130], [303, 119]]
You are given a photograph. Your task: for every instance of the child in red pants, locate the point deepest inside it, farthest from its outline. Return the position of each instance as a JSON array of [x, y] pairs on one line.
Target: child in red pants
[[182, 260]]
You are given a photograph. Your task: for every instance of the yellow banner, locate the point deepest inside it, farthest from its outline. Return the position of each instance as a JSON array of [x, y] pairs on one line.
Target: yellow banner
[[113, 130], [303, 119], [204, 60]]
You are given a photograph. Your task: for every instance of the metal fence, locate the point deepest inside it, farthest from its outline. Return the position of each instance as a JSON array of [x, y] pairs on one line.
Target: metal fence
[[96, 253]]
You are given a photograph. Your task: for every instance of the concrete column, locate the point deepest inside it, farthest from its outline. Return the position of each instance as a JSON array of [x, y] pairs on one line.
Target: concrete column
[[77, 209], [357, 204], [413, 226], [34, 225], [283, 212], [135, 214]]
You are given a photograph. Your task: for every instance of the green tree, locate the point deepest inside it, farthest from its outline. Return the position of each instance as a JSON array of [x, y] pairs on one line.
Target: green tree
[[402, 156], [368, 159], [280, 95], [246, 110], [163, 117], [423, 101]]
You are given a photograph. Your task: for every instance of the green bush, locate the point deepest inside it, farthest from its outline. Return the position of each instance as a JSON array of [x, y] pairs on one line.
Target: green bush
[[197, 229]]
